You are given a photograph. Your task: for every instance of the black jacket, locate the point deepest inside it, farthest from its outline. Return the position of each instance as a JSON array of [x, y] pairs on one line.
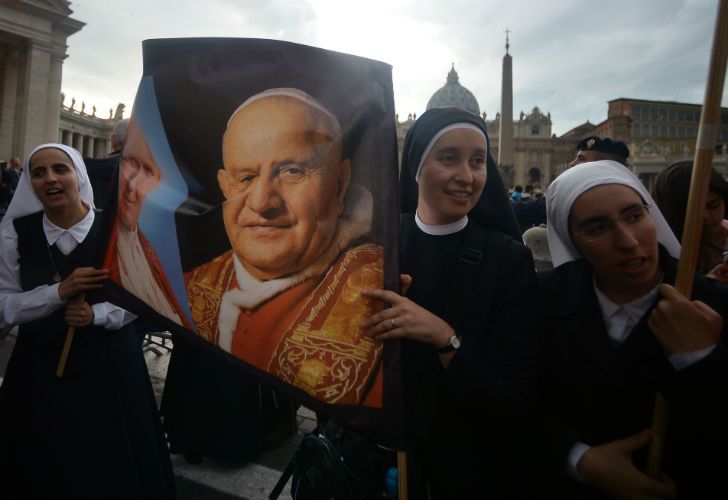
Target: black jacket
[[467, 421], [605, 393]]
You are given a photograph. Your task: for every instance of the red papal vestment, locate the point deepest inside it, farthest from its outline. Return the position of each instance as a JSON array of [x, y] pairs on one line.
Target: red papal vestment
[[307, 335]]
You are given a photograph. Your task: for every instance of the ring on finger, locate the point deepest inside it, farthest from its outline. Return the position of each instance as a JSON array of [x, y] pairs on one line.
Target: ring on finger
[[394, 324]]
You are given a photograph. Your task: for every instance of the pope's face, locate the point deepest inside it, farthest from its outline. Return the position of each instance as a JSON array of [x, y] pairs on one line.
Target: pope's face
[[284, 184], [140, 175]]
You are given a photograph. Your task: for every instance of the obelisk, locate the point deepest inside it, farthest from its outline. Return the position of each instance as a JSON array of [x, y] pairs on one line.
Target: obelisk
[[505, 130]]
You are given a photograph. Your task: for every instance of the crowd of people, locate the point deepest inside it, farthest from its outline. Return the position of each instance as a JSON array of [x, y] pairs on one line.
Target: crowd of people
[[9, 177], [518, 384]]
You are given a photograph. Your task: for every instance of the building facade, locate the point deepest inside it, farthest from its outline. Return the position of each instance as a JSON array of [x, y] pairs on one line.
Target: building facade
[[88, 133], [659, 133], [33, 45], [534, 149]]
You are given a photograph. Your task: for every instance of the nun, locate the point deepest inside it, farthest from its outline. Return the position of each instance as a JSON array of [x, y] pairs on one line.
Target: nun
[[470, 354], [94, 432], [618, 332]]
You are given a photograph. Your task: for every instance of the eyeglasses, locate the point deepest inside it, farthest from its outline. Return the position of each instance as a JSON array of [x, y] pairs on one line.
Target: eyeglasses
[[599, 228]]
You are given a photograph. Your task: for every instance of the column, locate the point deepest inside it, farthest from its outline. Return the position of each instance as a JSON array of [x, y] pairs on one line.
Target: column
[[33, 111], [53, 92], [87, 143], [546, 169], [67, 138], [77, 141], [505, 133], [99, 150], [10, 60]]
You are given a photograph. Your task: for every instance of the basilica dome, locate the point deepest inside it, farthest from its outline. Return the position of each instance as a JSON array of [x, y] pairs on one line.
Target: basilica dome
[[455, 95]]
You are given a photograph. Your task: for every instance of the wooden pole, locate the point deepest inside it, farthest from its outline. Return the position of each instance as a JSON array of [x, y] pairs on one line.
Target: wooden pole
[[67, 344], [402, 474], [702, 165]]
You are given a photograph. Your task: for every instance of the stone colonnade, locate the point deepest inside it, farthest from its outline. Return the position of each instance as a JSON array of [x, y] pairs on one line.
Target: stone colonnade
[[33, 41], [89, 145]]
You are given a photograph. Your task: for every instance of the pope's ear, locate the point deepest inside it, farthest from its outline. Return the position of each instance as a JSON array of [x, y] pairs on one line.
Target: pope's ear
[[224, 181]]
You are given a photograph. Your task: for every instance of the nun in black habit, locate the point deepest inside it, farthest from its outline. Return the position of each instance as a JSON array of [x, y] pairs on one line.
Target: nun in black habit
[[470, 354], [617, 332], [95, 432]]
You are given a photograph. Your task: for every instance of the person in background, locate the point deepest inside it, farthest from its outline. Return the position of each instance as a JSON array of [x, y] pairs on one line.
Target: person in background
[[118, 136], [101, 170], [517, 193], [16, 165], [6, 194], [527, 195], [595, 148], [671, 191], [13, 175], [536, 240]]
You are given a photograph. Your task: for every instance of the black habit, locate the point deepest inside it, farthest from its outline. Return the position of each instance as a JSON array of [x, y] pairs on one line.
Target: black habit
[[605, 392], [95, 432], [466, 420], [213, 409]]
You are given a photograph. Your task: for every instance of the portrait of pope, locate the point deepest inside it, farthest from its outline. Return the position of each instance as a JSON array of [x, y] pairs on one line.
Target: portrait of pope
[[286, 298], [131, 259]]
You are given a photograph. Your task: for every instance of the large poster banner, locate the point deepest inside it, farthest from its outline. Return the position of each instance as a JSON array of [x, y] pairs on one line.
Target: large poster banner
[[256, 199]]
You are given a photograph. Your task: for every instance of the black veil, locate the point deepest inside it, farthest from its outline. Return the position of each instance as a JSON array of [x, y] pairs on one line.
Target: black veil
[[493, 210]]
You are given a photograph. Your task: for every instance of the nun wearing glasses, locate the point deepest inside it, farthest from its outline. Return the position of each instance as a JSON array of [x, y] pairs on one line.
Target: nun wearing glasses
[[618, 332]]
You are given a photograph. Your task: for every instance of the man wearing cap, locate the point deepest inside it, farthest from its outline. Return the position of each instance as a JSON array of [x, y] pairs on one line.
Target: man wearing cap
[[594, 148], [287, 297]]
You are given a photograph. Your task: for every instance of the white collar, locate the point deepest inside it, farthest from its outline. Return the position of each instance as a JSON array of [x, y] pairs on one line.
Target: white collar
[[78, 231], [635, 308], [443, 229]]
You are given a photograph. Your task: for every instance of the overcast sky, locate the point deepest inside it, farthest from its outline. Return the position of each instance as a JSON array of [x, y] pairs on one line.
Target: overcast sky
[[569, 56]]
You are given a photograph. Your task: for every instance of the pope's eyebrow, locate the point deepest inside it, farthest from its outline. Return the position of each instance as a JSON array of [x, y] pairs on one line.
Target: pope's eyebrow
[[304, 164]]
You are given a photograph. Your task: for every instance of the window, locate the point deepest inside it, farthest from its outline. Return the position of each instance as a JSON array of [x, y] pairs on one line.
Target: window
[[534, 130]]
